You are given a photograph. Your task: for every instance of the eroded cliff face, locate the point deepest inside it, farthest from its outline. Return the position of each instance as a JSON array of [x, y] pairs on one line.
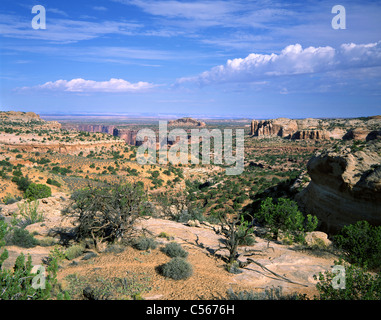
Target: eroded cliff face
[[96, 128], [345, 186], [129, 136], [64, 148], [281, 127], [310, 135], [316, 129]]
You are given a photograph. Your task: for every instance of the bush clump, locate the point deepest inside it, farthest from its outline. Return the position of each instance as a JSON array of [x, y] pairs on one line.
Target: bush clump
[[144, 243], [272, 293], [18, 284], [53, 182], [174, 249], [283, 217], [177, 269], [29, 213], [359, 285], [9, 199], [361, 244], [38, 191], [20, 237], [74, 251]]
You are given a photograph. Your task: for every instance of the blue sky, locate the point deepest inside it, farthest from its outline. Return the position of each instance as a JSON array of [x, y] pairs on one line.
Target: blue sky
[[255, 59]]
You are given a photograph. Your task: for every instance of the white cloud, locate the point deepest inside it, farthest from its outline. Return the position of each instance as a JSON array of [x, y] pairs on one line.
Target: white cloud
[[292, 60], [64, 30], [87, 86], [207, 13], [57, 11]]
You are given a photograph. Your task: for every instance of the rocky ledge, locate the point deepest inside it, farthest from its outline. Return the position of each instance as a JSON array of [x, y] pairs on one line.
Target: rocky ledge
[[345, 186]]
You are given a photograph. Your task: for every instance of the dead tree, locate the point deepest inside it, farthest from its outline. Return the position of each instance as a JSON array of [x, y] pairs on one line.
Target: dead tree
[[236, 231]]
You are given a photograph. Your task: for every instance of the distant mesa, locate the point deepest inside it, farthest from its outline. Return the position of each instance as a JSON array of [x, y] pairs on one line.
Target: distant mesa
[[366, 128], [128, 135], [186, 122], [19, 116], [28, 118]]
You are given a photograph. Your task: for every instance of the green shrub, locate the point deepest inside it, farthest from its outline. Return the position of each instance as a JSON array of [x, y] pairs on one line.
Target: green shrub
[[47, 242], [165, 235], [361, 244], [21, 238], [3, 232], [144, 243], [359, 285], [283, 216], [174, 249], [38, 191], [115, 248], [74, 251], [53, 182], [29, 212], [268, 294], [17, 284], [23, 183], [177, 269], [9, 199]]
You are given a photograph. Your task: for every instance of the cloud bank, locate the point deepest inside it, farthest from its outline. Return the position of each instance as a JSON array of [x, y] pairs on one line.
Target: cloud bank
[[292, 60], [87, 86]]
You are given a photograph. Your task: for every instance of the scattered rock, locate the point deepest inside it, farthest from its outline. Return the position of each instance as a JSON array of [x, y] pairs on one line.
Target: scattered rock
[[317, 238], [194, 223]]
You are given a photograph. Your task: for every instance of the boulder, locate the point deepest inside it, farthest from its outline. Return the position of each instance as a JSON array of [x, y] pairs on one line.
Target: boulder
[[345, 186], [318, 238]]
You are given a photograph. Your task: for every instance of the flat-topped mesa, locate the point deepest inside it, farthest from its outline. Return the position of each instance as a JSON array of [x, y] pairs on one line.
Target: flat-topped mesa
[[28, 119], [186, 122], [19, 116]]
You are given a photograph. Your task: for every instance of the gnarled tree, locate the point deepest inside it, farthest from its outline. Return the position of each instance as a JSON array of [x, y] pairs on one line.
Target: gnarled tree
[[108, 213]]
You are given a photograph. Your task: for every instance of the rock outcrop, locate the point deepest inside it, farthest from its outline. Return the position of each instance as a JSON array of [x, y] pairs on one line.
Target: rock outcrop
[[281, 127], [27, 119], [96, 128], [316, 129], [345, 186], [310, 135], [129, 136], [64, 148], [186, 122]]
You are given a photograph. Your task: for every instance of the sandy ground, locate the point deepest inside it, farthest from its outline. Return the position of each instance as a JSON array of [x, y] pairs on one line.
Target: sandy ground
[[280, 266]]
